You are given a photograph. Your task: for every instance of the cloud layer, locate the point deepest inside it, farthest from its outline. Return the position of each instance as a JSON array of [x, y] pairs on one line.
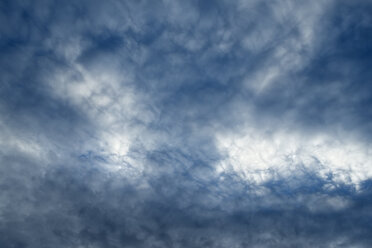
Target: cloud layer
[[185, 124]]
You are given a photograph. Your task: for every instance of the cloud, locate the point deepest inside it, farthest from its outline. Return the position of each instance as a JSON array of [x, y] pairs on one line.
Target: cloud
[[185, 124]]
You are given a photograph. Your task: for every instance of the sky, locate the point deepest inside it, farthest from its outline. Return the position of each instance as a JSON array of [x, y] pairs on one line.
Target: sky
[[185, 124]]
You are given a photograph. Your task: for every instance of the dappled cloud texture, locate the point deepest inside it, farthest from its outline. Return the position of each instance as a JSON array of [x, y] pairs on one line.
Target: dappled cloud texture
[[185, 124]]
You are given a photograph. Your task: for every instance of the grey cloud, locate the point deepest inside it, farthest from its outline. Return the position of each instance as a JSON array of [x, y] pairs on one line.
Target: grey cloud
[[80, 204], [174, 75]]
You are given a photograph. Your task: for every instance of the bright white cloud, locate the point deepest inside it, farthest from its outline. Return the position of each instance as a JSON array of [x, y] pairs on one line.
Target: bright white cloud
[[255, 155]]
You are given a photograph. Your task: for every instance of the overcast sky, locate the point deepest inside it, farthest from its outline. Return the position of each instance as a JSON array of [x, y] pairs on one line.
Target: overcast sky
[[185, 124]]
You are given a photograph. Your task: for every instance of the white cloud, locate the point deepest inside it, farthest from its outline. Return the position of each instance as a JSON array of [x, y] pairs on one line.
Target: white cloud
[[117, 111], [291, 33], [258, 156]]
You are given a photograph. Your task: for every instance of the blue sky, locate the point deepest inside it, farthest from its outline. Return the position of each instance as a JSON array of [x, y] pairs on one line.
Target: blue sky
[[185, 123]]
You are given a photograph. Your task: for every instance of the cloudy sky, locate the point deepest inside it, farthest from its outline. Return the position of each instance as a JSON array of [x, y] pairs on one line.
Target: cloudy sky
[[185, 124]]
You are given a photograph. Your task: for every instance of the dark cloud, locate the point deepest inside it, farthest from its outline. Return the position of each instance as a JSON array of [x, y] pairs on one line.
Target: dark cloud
[[112, 115], [83, 205]]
